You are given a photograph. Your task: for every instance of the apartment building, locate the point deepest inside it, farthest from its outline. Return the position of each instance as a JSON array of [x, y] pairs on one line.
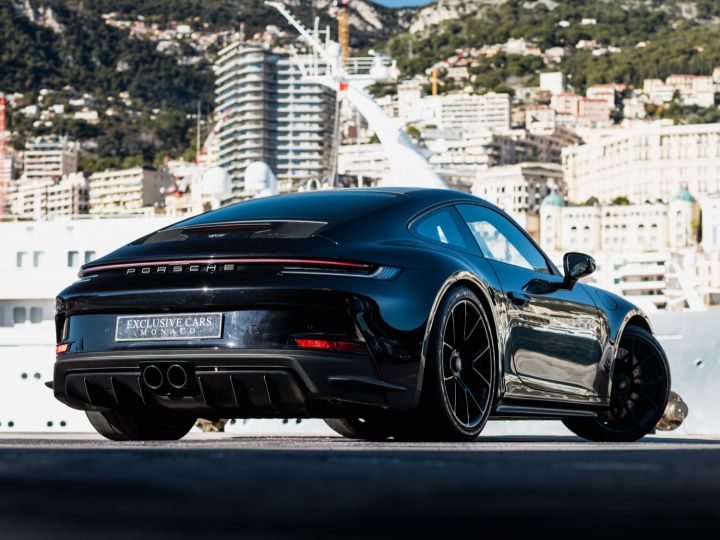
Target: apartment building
[[645, 164], [268, 113], [49, 159], [468, 111], [619, 228], [693, 89], [519, 189], [45, 199], [127, 191]]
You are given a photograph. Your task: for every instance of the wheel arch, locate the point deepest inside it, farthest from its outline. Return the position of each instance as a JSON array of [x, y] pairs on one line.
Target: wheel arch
[[634, 318], [487, 298], [639, 321]]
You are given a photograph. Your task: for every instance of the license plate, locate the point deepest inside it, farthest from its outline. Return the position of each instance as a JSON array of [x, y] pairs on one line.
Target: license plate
[[168, 327]]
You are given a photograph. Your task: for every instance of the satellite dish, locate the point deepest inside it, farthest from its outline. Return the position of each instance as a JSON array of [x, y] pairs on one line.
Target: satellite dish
[[216, 182], [260, 180]]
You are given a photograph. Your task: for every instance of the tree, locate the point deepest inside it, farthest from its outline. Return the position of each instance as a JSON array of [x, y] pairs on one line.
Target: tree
[[620, 201]]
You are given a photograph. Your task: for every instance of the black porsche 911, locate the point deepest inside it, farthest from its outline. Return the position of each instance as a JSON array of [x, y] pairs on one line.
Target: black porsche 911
[[413, 314]]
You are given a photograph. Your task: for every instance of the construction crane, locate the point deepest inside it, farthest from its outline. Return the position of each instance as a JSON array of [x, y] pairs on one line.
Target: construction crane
[[343, 18], [4, 136]]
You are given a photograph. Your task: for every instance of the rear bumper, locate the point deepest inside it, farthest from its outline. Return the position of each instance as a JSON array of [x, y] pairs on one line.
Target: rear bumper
[[230, 383]]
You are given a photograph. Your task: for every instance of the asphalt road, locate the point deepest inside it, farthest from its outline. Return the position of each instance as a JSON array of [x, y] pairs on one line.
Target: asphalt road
[[220, 486]]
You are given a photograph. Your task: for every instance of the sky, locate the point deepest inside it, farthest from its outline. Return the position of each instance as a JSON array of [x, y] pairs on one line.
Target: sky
[[403, 3]]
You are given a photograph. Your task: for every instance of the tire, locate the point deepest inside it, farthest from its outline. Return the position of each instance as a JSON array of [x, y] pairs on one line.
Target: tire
[[371, 428], [459, 380], [639, 394], [140, 426]]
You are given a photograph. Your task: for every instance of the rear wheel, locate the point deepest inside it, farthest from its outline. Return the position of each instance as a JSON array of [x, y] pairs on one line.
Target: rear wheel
[[460, 374], [141, 425], [370, 428], [640, 390]]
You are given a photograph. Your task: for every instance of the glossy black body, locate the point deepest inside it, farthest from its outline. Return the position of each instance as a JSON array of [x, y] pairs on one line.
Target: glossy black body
[[555, 344]]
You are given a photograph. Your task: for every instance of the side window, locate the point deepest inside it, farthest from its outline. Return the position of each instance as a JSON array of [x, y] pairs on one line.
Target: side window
[[440, 226], [499, 239]]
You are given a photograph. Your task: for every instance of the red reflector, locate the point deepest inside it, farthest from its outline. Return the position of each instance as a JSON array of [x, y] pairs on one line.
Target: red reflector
[[329, 345], [62, 348]]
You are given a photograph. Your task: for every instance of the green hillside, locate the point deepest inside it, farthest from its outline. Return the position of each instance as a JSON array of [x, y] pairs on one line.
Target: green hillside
[[88, 56], [673, 43]]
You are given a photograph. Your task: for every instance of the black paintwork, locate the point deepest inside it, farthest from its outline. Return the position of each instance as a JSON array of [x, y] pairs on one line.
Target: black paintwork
[[555, 339]]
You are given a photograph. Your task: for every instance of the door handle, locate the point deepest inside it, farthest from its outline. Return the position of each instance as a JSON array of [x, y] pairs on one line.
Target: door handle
[[518, 298]]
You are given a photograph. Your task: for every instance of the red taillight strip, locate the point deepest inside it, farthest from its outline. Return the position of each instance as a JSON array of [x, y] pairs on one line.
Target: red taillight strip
[[315, 262]]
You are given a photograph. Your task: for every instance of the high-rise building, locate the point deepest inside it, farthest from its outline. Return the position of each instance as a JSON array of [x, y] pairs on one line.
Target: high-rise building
[[127, 191], [49, 159], [268, 113]]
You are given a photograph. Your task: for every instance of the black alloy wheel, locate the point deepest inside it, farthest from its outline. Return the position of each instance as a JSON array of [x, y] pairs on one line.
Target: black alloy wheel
[[459, 389], [639, 393]]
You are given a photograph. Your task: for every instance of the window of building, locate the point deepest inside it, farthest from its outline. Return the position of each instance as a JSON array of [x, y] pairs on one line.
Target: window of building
[[89, 256], [37, 258], [73, 259], [19, 315], [20, 259], [36, 315]]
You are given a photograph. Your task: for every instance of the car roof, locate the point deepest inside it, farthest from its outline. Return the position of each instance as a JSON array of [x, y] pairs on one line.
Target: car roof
[[334, 206]]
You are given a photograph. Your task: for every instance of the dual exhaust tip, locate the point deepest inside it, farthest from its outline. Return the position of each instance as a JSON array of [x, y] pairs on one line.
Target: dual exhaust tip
[[176, 376]]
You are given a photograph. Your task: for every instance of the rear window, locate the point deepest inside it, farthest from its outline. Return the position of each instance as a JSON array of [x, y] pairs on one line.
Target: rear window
[[325, 206]]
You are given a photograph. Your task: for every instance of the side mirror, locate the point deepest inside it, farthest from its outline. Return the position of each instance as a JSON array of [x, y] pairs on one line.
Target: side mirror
[[576, 266]]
